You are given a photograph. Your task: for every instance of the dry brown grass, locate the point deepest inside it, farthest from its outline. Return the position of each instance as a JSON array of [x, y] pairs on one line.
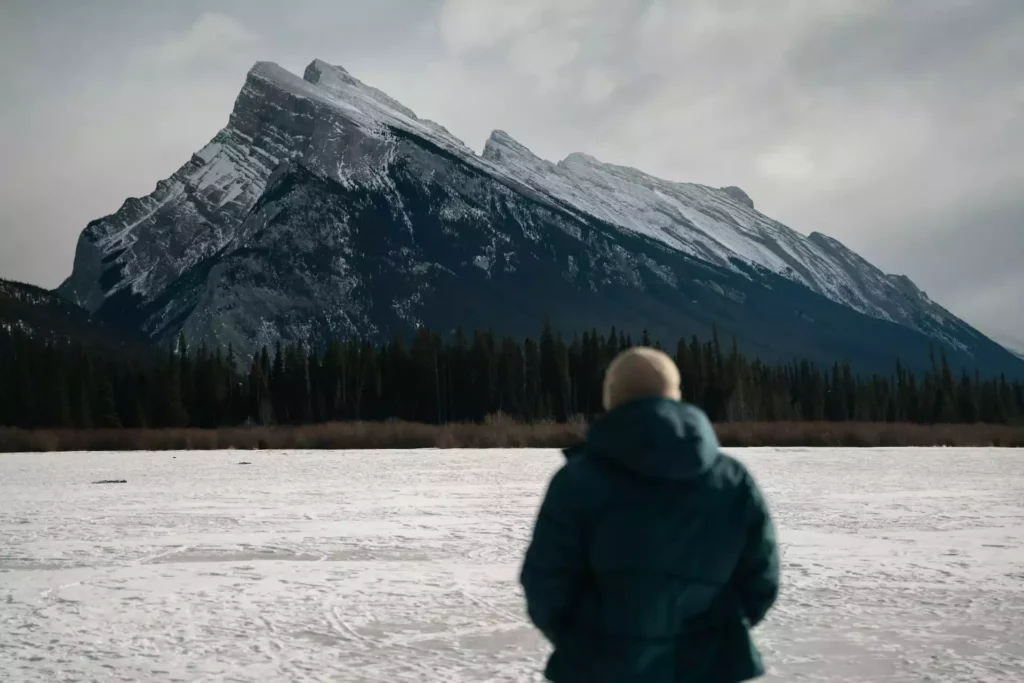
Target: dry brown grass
[[338, 435], [495, 432], [868, 434]]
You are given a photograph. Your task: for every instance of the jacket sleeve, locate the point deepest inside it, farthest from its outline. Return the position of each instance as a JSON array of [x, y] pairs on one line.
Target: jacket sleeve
[[756, 577], [554, 567]]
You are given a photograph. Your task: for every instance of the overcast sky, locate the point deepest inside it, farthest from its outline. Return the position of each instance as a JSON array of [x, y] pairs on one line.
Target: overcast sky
[[896, 127]]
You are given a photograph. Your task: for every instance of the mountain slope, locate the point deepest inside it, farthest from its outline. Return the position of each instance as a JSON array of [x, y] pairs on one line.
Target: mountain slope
[[325, 208], [44, 316], [1014, 346]]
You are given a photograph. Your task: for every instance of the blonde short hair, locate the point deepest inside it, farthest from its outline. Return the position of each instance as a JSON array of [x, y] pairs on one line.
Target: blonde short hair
[[640, 372]]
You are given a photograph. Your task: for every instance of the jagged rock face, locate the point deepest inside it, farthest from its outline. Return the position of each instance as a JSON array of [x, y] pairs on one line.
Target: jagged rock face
[[325, 209], [739, 195]]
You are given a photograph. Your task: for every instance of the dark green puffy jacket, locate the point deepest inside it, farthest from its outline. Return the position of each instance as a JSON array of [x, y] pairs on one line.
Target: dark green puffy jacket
[[653, 554]]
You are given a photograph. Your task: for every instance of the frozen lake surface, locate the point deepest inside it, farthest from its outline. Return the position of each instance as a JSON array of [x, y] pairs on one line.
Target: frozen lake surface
[[898, 565]]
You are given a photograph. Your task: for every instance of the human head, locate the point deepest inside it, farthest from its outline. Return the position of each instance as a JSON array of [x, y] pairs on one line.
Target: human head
[[640, 372]]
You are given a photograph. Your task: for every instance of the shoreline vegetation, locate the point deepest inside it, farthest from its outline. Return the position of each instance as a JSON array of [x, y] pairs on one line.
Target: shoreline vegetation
[[470, 391], [461, 379], [495, 432]]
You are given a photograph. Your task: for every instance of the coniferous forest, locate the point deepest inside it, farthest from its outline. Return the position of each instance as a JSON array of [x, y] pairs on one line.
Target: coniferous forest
[[461, 378]]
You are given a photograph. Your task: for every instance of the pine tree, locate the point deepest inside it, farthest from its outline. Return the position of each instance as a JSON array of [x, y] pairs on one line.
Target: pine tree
[[554, 374], [278, 386], [104, 409], [171, 408], [260, 404], [25, 401], [967, 401], [7, 417], [58, 399], [532, 382], [186, 378]]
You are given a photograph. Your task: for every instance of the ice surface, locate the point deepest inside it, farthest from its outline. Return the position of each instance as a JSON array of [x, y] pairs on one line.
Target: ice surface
[[382, 566]]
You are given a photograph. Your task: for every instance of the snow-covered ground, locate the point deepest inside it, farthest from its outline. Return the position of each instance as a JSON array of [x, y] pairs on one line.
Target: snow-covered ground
[[899, 565]]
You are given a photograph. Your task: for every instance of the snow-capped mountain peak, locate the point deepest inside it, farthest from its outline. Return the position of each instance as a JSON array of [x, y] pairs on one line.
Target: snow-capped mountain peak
[[500, 143], [580, 159], [715, 225], [739, 195], [333, 85], [330, 130], [336, 77], [339, 82]]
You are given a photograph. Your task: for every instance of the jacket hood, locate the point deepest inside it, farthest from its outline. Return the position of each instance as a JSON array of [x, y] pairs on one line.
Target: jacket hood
[[654, 437]]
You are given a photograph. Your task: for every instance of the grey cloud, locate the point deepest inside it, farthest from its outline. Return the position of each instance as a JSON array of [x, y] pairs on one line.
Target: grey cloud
[[914, 42], [893, 126]]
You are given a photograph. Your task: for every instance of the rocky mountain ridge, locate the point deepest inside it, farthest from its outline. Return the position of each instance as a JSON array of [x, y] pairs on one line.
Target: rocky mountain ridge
[[325, 208]]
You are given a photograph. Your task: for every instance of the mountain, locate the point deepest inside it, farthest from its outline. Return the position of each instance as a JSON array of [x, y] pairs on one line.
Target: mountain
[[47, 317], [1014, 346], [325, 208]]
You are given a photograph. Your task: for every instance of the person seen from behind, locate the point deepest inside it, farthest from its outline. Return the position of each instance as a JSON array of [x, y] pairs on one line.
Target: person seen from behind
[[653, 554]]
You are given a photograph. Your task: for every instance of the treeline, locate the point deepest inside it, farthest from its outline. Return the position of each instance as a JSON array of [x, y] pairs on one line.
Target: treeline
[[464, 378]]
